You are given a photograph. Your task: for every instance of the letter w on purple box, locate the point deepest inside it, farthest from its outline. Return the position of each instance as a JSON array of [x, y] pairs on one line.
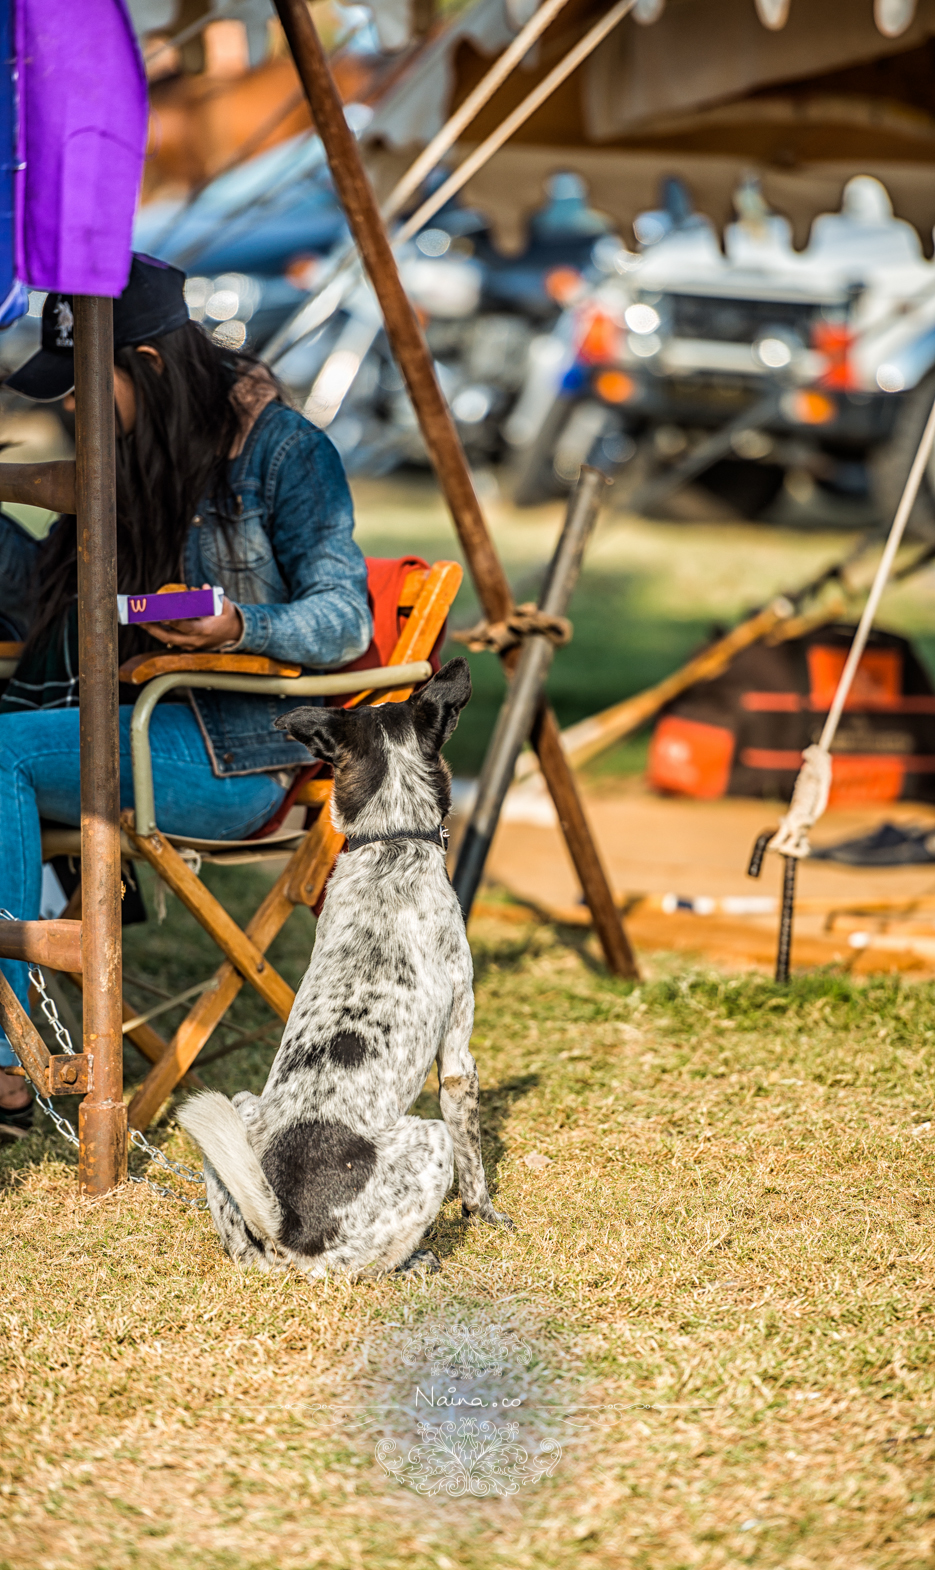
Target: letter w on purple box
[[169, 607]]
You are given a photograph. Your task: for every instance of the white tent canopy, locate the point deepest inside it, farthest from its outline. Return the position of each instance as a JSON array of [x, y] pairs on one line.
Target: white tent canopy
[[667, 59], [803, 94]]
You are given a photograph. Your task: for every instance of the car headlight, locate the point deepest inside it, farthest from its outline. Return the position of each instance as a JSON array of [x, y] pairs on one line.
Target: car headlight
[[641, 319], [644, 347], [472, 404], [773, 353]]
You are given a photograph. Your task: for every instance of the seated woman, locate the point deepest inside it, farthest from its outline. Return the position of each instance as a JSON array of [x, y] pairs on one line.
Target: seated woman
[[218, 482]]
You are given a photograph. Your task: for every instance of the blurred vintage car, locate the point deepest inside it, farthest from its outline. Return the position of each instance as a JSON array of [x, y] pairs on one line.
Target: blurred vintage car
[[829, 351]]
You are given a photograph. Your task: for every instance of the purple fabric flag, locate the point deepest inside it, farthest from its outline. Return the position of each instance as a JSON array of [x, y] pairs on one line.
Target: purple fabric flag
[[83, 119]]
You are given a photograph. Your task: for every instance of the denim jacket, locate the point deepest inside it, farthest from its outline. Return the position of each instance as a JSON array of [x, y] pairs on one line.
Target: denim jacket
[[291, 565], [294, 571]]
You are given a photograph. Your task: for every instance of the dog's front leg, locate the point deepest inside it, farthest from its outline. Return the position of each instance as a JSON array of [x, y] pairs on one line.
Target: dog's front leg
[[459, 1094]]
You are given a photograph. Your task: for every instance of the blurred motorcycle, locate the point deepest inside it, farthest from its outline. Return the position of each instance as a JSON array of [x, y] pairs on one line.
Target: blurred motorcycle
[[251, 240], [256, 239], [480, 310]]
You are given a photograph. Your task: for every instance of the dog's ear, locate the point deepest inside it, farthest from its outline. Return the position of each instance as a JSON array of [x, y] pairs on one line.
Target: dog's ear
[[320, 730], [437, 705]]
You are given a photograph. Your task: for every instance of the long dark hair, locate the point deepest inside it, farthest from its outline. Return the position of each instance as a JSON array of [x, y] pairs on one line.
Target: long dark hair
[[175, 456]]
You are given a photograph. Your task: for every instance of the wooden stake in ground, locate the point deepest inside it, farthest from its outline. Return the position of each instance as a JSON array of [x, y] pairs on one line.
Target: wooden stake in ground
[[437, 426]]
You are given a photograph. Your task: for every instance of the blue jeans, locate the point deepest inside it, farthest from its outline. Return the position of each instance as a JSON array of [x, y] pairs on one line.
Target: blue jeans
[[39, 779]]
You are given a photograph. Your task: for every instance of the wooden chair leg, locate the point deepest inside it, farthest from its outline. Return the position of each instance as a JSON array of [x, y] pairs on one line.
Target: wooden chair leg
[[237, 945], [147, 1041], [301, 882]]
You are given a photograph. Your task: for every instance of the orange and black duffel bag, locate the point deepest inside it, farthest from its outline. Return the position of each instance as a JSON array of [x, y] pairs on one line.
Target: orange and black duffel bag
[[743, 734]]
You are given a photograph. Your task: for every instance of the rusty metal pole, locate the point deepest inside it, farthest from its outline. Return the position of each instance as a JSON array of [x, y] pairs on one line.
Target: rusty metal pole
[[521, 703], [786, 916], [438, 428], [102, 1116], [547, 741]]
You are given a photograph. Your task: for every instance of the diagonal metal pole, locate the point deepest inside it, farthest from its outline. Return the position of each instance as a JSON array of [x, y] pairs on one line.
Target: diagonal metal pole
[[515, 720], [441, 439], [102, 1116]]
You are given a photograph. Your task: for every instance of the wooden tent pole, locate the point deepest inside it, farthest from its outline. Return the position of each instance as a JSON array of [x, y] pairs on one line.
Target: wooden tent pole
[[102, 1116], [356, 196], [438, 431]]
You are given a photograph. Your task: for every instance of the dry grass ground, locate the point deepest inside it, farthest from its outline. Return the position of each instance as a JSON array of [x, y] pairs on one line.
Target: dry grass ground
[[724, 1277], [723, 1274]]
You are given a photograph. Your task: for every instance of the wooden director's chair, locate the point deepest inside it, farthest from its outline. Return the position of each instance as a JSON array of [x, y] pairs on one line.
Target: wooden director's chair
[[410, 603]]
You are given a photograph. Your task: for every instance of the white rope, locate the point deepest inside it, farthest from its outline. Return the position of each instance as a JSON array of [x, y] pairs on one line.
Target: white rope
[[810, 796]]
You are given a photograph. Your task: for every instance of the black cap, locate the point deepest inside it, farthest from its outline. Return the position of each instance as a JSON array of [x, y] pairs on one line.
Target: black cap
[[153, 303]]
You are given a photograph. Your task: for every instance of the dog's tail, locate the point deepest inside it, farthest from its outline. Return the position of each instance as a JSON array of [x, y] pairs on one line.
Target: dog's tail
[[217, 1127]]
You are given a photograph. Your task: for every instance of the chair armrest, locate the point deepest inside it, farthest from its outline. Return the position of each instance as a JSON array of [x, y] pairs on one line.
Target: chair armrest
[[143, 667], [329, 685], [9, 658]]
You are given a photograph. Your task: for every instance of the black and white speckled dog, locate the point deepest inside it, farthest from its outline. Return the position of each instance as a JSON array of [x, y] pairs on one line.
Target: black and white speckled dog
[[325, 1170]]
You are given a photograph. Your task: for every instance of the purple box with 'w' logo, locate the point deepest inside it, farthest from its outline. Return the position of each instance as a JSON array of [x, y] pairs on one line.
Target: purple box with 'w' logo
[[176, 605]]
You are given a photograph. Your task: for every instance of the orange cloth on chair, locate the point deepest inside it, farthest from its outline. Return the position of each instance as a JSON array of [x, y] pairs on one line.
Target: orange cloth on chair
[[385, 579]]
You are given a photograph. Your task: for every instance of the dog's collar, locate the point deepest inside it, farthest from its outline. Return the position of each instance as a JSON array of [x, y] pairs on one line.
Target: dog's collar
[[437, 836]]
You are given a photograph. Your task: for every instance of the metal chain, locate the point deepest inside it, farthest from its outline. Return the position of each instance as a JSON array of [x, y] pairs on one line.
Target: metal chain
[[139, 1142], [50, 1011], [137, 1139], [170, 1193]]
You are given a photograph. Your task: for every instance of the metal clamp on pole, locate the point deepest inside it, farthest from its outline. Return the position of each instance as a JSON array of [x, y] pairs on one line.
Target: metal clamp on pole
[[515, 719], [787, 907]]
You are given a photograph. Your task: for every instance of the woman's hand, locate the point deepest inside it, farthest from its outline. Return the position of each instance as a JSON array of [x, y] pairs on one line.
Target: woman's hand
[[201, 632]]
